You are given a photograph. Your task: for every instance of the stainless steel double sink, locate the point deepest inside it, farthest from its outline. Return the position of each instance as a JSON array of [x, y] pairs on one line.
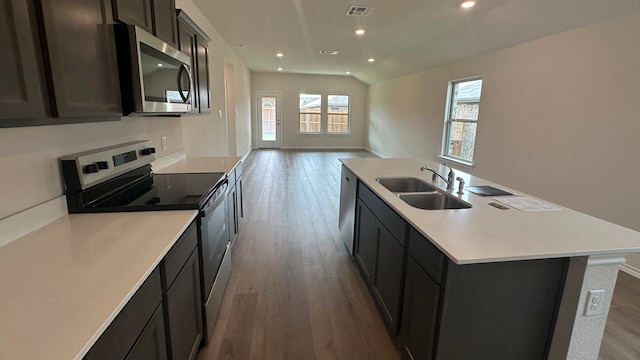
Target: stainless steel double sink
[[422, 195]]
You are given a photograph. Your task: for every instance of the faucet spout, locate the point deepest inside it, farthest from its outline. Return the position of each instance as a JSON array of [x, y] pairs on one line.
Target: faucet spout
[[450, 180]]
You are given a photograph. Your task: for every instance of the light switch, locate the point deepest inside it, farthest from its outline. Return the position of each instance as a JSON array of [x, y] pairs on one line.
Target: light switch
[[220, 114]]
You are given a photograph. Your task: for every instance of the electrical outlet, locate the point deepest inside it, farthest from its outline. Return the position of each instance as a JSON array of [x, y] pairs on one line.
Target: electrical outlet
[[594, 302], [163, 143]]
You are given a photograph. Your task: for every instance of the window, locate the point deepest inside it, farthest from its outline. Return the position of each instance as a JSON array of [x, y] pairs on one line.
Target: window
[[461, 121], [337, 114], [310, 114]]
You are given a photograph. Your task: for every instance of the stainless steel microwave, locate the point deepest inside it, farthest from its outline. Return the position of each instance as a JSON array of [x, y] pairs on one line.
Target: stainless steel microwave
[[155, 78]]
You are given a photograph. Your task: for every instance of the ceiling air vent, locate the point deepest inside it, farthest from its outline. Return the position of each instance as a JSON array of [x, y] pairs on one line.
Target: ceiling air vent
[[329, 52], [359, 10]]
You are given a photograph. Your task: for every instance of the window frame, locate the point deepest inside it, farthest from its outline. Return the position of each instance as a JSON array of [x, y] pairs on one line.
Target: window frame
[[348, 114], [300, 113], [448, 122]]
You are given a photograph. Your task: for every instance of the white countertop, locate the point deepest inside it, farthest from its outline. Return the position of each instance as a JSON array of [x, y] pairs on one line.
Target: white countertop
[[484, 233], [200, 165], [63, 284]]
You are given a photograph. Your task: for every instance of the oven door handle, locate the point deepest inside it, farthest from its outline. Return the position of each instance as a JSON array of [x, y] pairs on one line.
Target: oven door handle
[[221, 190]]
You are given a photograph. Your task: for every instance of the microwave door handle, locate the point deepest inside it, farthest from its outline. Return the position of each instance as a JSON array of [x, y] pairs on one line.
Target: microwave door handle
[[183, 68]]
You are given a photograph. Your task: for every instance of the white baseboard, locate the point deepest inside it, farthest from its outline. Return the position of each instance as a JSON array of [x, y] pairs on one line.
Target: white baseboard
[[630, 270], [24, 222], [375, 153], [322, 148]]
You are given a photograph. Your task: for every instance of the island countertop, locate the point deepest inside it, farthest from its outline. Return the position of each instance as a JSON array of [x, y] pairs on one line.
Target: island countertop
[[63, 284], [484, 233]]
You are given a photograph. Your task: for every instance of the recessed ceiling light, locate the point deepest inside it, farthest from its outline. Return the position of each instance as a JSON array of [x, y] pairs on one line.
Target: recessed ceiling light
[[160, 65], [467, 4], [280, 69], [348, 72], [371, 60], [360, 31], [279, 54]]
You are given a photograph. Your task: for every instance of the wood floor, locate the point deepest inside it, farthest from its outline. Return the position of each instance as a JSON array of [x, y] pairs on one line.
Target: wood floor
[[294, 293]]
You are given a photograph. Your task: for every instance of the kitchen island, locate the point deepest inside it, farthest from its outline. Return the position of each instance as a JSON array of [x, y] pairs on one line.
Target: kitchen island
[[504, 241]]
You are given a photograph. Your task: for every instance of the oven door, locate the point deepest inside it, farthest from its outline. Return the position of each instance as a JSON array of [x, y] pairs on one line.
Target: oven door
[[215, 236]]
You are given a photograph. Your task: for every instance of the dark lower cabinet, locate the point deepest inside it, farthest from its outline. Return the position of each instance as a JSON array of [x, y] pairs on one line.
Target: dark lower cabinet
[[388, 280], [184, 311], [365, 247], [124, 333], [21, 91], [381, 258], [182, 301], [151, 344], [447, 311], [80, 58], [163, 320], [419, 313]]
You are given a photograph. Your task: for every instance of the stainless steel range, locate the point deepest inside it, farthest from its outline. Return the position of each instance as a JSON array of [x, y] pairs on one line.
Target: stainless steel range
[[119, 178]]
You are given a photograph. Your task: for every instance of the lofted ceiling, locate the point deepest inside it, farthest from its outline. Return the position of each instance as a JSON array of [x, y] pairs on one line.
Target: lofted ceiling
[[403, 36]]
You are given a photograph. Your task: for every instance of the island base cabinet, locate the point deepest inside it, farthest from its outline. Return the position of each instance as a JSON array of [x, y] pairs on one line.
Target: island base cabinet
[[419, 314], [388, 280], [500, 311], [366, 240]]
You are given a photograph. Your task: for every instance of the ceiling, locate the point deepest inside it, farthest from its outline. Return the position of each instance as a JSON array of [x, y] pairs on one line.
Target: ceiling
[[403, 36]]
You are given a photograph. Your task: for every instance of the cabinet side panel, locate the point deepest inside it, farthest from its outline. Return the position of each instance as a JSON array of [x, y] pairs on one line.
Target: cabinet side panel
[[500, 310]]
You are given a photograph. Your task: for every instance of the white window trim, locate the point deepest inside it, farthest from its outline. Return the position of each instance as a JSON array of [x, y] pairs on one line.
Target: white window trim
[[322, 112], [446, 129], [348, 117]]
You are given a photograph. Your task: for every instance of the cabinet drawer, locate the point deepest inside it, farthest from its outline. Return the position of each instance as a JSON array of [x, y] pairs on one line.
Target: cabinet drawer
[[179, 253], [426, 255], [387, 216], [121, 335]]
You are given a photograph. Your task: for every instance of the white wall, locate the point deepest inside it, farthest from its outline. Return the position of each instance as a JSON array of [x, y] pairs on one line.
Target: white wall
[[292, 85], [559, 118], [209, 134], [29, 166]]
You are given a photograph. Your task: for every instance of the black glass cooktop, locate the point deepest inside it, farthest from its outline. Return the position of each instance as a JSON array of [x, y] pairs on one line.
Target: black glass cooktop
[[163, 192]]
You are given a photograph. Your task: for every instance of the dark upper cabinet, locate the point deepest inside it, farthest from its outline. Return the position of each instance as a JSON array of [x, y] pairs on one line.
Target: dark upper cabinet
[[164, 21], [157, 17], [188, 46], [21, 92], [195, 43], [204, 93], [79, 47], [134, 13]]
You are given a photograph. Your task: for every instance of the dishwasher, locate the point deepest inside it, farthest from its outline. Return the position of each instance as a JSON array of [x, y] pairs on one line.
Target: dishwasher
[[346, 221]]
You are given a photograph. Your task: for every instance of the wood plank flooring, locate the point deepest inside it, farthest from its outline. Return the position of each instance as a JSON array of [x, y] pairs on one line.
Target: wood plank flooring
[[294, 293], [621, 339]]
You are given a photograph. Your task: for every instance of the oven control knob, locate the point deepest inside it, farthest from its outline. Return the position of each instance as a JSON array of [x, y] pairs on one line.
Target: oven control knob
[[102, 165], [148, 151], [91, 168]]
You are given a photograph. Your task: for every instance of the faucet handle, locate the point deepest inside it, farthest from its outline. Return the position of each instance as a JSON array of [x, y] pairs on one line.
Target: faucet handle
[[460, 185]]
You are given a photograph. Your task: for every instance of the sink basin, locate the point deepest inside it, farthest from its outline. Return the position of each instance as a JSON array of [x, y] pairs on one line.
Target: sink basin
[[405, 185], [433, 201]]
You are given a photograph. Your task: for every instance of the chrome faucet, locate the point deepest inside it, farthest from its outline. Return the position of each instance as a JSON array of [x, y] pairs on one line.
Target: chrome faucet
[[450, 180]]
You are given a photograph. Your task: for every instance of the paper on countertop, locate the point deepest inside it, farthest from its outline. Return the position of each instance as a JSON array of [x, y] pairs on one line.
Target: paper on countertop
[[525, 203]]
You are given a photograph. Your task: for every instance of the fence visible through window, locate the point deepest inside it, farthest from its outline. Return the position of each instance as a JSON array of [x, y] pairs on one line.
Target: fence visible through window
[[310, 113], [268, 119]]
